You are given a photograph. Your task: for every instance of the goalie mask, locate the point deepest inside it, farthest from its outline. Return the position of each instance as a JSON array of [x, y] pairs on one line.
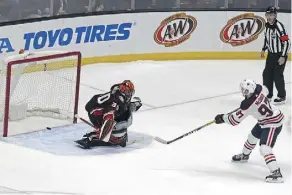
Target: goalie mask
[[123, 91], [127, 88], [247, 87]]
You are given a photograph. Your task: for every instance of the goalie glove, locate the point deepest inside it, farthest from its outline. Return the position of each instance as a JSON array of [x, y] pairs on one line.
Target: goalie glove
[[136, 105]]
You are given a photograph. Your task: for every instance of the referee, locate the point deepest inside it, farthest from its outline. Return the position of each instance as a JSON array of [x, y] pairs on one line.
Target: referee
[[278, 44]]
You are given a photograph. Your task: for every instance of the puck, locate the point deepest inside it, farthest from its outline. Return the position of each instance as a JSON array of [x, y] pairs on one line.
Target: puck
[[49, 128]]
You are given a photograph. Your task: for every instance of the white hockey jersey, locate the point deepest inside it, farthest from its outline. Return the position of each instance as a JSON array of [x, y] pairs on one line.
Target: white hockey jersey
[[259, 107]]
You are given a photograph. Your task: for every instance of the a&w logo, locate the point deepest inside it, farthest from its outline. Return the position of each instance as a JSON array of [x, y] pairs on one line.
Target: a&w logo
[[242, 29], [175, 29]]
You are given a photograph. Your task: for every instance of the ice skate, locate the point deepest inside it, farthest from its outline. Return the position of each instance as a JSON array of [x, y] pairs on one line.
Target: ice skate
[[124, 140], [85, 143], [275, 177], [240, 158], [279, 101]]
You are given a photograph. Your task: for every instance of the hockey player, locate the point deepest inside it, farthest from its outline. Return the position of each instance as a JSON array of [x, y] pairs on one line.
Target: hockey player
[[111, 114], [267, 129]]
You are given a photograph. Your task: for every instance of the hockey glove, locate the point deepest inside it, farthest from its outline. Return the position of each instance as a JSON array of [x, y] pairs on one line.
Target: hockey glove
[[137, 99], [136, 105], [219, 119]]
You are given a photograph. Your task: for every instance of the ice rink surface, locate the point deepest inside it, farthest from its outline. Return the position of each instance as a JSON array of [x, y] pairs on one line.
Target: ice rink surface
[[178, 96]]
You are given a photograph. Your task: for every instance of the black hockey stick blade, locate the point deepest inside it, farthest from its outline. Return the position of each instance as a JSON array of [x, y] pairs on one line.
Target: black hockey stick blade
[[158, 139]]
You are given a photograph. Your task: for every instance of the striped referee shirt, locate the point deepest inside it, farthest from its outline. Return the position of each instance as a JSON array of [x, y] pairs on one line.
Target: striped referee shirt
[[276, 39]]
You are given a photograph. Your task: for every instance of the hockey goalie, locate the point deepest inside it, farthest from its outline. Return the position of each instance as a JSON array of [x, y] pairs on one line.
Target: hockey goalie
[[111, 115]]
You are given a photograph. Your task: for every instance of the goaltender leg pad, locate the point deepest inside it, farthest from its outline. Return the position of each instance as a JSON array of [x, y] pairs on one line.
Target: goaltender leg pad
[[93, 120], [106, 130], [119, 133], [121, 141]]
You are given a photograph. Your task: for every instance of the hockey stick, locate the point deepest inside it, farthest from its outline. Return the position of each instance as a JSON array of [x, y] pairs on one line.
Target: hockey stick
[[184, 135], [85, 121]]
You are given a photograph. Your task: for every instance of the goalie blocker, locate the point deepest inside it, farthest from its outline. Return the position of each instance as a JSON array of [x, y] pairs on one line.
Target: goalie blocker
[[111, 115]]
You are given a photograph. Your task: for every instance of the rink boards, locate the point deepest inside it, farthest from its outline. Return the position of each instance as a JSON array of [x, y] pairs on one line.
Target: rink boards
[[126, 37]]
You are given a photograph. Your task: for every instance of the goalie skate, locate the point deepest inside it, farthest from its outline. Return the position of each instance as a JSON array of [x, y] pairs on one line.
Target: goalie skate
[[87, 143], [84, 143]]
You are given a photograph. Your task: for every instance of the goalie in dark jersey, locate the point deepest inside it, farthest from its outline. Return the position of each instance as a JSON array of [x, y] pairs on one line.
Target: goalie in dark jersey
[[111, 114]]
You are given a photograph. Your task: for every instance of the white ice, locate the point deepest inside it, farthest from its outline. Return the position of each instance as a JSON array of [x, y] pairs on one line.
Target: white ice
[[178, 96]]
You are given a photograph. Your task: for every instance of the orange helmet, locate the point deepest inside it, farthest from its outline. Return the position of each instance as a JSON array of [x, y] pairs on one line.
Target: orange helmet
[[127, 88], [129, 84]]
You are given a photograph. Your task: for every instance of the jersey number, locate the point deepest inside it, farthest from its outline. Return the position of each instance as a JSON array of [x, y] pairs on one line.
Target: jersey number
[[104, 98], [265, 109], [239, 114]]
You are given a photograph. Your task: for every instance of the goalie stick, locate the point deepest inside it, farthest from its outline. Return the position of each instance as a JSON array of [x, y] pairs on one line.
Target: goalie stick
[[130, 142], [85, 121], [182, 136]]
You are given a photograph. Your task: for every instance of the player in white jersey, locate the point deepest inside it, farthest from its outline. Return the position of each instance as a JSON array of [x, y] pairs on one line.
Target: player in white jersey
[[269, 125]]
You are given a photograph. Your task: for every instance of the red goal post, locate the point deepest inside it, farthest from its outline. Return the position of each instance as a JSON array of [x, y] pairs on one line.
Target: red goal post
[[39, 84]]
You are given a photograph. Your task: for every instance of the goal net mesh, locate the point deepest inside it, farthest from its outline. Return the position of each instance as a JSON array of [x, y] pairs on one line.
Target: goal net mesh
[[40, 84]]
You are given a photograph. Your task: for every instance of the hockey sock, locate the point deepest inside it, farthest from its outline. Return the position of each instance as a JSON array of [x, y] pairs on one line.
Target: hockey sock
[[269, 157], [249, 144], [271, 162]]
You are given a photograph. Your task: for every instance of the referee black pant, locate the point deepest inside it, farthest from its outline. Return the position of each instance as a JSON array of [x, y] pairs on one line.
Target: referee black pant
[[274, 72]]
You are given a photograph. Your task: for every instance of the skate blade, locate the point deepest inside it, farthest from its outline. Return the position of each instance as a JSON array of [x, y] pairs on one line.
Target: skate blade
[[82, 144], [79, 142], [241, 161], [271, 180]]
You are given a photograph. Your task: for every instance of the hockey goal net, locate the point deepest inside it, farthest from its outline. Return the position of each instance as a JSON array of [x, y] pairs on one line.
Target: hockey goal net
[[38, 90]]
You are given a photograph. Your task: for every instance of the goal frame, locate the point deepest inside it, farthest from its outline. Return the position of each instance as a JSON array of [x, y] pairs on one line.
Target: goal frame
[[39, 59]]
